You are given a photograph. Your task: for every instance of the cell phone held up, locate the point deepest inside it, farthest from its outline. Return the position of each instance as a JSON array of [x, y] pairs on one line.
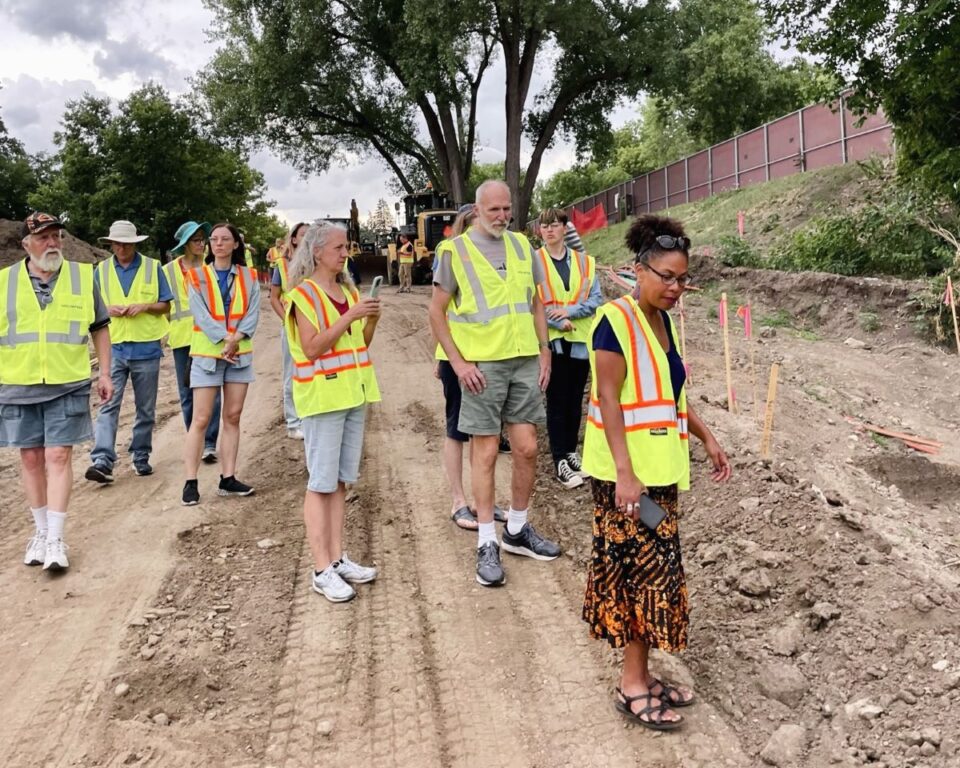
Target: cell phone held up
[[651, 514], [375, 286]]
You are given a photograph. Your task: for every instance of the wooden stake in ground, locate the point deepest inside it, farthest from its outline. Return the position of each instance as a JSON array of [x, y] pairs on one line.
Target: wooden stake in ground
[[768, 414], [746, 314], [683, 341], [948, 298], [731, 398]]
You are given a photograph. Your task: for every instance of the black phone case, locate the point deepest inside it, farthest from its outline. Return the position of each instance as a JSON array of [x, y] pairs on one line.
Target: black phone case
[[651, 513]]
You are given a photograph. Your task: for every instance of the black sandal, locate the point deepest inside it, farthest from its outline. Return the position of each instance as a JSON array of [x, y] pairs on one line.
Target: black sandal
[[465, 519], [624, 706], [672, 695]]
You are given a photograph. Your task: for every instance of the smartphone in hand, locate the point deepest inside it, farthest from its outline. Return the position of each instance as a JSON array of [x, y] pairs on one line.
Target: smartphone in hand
[[375, 286]]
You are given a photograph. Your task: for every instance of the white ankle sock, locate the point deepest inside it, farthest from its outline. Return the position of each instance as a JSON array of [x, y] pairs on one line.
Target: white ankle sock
[[55, 521], [516, 519], [486, 532], [40, 520]]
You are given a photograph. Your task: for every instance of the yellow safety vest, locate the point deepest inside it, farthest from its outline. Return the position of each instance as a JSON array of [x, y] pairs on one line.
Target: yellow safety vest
[[204, 282], [284, 266], [45, 346], [655, 424], [145, 289], [273, 254], [493, 319], [554, 295], [406, 253], [341, 378], [181, 321]]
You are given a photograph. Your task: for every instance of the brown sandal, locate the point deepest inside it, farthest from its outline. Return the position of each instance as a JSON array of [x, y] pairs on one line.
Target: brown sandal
[[644, 717]]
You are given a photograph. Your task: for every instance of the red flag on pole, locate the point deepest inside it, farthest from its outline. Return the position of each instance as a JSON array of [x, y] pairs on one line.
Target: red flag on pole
[[948, 294], [744, 314], [595, 218]]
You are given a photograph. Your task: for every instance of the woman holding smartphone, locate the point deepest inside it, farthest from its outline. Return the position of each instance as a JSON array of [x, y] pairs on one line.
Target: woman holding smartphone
[[329, 327], [636, 451], [224, 300]]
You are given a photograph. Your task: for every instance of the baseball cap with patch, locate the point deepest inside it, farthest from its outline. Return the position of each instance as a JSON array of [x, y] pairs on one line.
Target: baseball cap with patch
[[38, 222]]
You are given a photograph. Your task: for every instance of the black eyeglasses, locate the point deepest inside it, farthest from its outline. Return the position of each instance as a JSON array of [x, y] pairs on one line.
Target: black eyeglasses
[[682, 280], [666, 243]]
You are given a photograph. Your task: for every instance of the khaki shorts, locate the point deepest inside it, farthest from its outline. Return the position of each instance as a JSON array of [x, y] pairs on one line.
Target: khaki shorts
[[511, 396]]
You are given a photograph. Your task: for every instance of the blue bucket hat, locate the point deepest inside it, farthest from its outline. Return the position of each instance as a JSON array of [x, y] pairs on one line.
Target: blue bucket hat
[[186, 231]]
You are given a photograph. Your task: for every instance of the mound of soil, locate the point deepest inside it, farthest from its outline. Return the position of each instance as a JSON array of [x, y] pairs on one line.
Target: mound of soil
[[73, 248]]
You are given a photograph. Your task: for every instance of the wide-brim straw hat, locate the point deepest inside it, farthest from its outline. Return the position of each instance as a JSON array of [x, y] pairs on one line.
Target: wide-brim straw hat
[[187, 230], [123, 232]]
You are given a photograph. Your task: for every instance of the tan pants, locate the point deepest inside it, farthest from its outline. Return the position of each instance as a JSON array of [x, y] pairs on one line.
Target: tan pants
[[406, 276]]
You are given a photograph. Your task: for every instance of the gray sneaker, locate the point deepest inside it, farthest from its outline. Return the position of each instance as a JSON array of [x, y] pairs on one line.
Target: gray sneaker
[[354, 572], [329, 584], [489, 571], [529, 543]]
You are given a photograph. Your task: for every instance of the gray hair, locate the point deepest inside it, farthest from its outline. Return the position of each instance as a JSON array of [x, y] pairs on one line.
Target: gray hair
[[489, 184], [303, 264]]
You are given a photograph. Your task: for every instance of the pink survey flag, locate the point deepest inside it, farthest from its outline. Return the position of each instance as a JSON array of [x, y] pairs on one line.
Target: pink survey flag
[[722, 316], [745, 314], [948, 294]]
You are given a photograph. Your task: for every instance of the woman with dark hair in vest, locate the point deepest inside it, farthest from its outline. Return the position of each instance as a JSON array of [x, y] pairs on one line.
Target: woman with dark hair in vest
[[225, 303], [329, 328], [636, 451]]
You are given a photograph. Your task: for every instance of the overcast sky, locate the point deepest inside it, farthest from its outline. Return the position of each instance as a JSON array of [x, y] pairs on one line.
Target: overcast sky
[[55, 50]]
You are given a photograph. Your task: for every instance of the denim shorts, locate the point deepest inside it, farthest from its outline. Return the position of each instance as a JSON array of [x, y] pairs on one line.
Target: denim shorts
[[59, 422], [333, 443], [511, 396], [226, 373]]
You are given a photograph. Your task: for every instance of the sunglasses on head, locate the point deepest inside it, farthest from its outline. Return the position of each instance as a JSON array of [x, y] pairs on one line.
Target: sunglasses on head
[[666, 243]]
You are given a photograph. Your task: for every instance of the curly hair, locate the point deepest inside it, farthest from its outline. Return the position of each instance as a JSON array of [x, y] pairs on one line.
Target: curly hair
[[642, 236]]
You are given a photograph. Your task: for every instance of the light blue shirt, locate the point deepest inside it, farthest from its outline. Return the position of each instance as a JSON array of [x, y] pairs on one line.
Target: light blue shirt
[[586, 308]]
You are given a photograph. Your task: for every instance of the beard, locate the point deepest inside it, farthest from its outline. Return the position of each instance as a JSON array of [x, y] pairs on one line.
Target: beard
[[49, 261]]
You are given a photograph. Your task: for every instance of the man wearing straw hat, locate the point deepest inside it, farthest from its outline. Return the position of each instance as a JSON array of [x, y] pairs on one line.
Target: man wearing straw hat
[[191, 241], [49, 308], [138, 298]]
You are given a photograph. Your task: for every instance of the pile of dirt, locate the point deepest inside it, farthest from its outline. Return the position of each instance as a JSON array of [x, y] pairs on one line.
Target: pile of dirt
[[73, 249]]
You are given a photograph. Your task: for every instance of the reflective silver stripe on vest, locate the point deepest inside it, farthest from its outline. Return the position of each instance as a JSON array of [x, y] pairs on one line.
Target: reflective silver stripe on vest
[[642, 354], [147, 273], [484, 313], [635, 416], [341, 361], [74, 336], [683, 425], [180, 310], [104, 280]]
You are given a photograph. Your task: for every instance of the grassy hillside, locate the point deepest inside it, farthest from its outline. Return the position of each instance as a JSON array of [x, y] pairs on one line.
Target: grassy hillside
[[774, 211]]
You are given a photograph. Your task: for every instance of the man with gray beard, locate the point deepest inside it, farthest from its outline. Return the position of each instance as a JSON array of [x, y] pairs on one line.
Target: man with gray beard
[[49, 309]]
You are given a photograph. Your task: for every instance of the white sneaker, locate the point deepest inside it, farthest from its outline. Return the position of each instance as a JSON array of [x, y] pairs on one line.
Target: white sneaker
[[56, 556], [36, 550], [295, 434], [354, 572], [329, 584], [566, 476]]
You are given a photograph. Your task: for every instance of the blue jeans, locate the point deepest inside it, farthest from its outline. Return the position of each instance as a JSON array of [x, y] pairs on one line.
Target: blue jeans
[[144, 376], [289, 411], [181, 363]]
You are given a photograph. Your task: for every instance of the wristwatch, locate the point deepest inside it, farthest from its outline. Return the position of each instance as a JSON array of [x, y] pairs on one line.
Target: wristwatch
[[544, 344]]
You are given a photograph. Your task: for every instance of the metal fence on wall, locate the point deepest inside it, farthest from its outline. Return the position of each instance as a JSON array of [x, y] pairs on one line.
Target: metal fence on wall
[[813, 137]]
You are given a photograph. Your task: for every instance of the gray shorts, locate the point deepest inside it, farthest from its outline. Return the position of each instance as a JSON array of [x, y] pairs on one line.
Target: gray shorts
[[226, 373], [333, 443], [59, 422], [511, 396]]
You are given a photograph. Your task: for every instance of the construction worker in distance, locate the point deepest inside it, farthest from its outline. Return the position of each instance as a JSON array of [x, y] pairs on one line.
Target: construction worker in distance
[[279, 286], [189, 250], [571, 295], [487, 315], [48, 309], [275, 252], [138, 297], [405, 257]]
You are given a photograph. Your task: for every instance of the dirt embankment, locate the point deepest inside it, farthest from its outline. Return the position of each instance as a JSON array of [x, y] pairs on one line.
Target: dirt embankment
[[73, 248]]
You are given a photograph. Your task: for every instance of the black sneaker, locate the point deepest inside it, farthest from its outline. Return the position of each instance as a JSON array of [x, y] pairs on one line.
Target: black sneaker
[[566, 476], [99, 473], [230, 486], [209, 456], [191, 494], [529, 543], [504, 444], [142, 468], [489, 571], [576, 464]]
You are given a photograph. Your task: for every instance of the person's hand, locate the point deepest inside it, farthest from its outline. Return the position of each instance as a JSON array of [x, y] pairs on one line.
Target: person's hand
[[366, 307], [135, 309], [436, 370], [628, 492], [104, 388], [471, 378], [546, 363], [566, 325], [721, 464], [230, 346], [115, 310], [557, 314]]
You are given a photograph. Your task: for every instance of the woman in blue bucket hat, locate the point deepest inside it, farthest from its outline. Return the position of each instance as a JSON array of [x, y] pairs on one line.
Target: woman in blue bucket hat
[[191, 242]]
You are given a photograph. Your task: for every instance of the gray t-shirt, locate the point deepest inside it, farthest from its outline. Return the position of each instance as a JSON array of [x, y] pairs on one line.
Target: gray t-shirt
[[494, 250], [31, 394]]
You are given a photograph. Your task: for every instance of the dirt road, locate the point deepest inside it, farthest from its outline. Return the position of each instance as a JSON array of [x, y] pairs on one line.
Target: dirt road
[[189, 637]]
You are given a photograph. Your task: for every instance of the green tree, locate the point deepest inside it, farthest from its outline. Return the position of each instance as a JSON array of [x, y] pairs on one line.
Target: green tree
[[660, 136], [322, 81], [18, 176], [903, 56], [566, 187], [149, 163]]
